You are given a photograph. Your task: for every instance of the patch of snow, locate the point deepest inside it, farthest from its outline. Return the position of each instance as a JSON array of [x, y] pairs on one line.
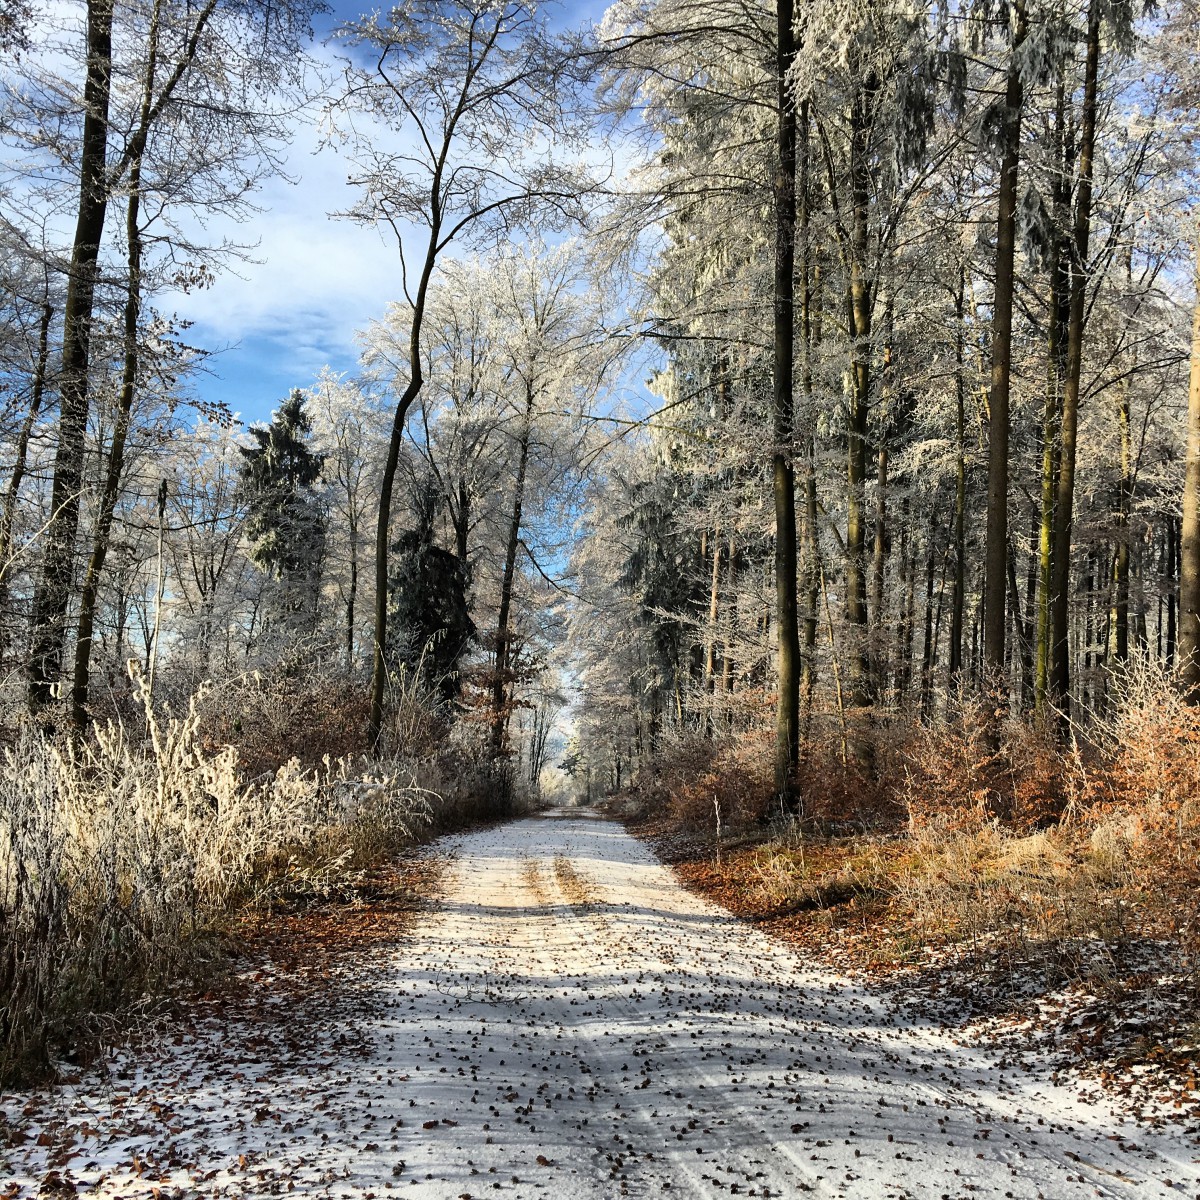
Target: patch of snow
[[571, 1023]]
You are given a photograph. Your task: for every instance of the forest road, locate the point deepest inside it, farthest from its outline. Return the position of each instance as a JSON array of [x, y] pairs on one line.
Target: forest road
[[569, 1022]]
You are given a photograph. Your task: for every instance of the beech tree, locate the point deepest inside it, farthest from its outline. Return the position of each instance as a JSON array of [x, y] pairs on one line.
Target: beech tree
[[207, 71], [468, 86]]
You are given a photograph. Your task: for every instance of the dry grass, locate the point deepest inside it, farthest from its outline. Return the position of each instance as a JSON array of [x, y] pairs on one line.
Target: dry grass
[[997, 872], [119, 857]]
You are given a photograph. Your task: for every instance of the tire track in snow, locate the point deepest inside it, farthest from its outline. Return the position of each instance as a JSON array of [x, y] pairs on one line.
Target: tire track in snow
[[571, 1023]]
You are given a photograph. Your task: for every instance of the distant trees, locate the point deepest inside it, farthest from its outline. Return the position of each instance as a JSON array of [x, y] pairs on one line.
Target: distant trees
[[469, 85], [513, 355]]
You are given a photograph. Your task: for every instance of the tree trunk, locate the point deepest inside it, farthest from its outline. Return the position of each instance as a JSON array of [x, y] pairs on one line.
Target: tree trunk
[[1120, 612], [1060, 665], [53, 595], [500, 680], [927, 643], [1022, 627], [116, 457], [1189, 537], [860, 311], [710, 647], [352, 595], [958, 591], [996, 554], [787, 718], [811, 537]]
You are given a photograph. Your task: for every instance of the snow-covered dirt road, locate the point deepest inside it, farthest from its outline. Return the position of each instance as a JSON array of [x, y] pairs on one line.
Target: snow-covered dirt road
[[569, 1022]]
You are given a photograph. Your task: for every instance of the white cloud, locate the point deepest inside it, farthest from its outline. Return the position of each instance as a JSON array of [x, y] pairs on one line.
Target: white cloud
[[313, 280]]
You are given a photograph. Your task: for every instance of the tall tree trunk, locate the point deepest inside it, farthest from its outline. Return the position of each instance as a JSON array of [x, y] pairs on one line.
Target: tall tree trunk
[[116, 457], [1051, 418], [879, 642], [927, 652], [53, 595], [1120, 613], [904, 638], [727, 679], [1060, 663], [352, 592], [860, 304], [996, 554], [1022, 626], [958, 590], [12, 493], [879, 654], [387, 483], [1189, 538], [811, 537], [500, 678], [710, 647], [787, 717]]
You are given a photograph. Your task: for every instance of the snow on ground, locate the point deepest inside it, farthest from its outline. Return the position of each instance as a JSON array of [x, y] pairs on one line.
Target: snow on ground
[[569, 1022]]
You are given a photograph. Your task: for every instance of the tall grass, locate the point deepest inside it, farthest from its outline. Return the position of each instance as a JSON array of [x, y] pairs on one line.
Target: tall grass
[[117, 856]]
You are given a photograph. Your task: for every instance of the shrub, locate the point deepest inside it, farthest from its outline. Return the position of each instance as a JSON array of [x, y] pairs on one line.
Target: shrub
[[117, 856]]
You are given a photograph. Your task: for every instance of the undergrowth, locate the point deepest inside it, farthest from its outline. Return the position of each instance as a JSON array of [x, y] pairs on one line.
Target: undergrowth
[[122, 852], [997, 866]]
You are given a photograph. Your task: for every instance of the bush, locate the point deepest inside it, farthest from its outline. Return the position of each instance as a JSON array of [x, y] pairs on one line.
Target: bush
[[117, 857], [694, 777]]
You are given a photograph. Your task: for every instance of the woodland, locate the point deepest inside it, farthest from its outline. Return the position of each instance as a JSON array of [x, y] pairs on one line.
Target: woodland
[[785, 433]]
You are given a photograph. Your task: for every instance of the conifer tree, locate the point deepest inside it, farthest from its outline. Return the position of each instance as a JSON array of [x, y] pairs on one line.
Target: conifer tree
[[285, 520]]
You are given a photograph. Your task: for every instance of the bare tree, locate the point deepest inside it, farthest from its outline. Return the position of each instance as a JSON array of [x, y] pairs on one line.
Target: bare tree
[[468, 88]]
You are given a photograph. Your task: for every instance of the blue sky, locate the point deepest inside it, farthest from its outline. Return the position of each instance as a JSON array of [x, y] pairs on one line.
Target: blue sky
[[274, 322]]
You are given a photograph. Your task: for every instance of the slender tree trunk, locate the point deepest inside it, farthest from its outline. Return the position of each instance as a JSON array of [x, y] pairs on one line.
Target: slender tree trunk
[[1189, 538], [958, 593], [787, 718], [727, 679], [1120, 613], [387, 483], [1051, 417], [904, 631], [996, 554], [160, 583], [352, 595], [1060, 664], [811, 538], [927, 643], [12, 494], [1021, 626], [710, 647], [53, 595], [860, 311], [879, 551], [879, 656], [500, 678], [116, 457], [1174, 583]]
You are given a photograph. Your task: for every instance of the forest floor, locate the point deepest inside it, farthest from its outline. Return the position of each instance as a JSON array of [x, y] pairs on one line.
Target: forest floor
[[566, 1020], [1119, 1019]]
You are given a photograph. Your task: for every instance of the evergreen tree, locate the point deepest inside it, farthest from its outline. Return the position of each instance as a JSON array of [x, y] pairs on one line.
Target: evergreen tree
[[285, 516], [429, 626]]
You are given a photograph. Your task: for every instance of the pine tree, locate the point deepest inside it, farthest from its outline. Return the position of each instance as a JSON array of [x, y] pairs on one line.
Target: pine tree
[[430, 627], [285, 517]]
